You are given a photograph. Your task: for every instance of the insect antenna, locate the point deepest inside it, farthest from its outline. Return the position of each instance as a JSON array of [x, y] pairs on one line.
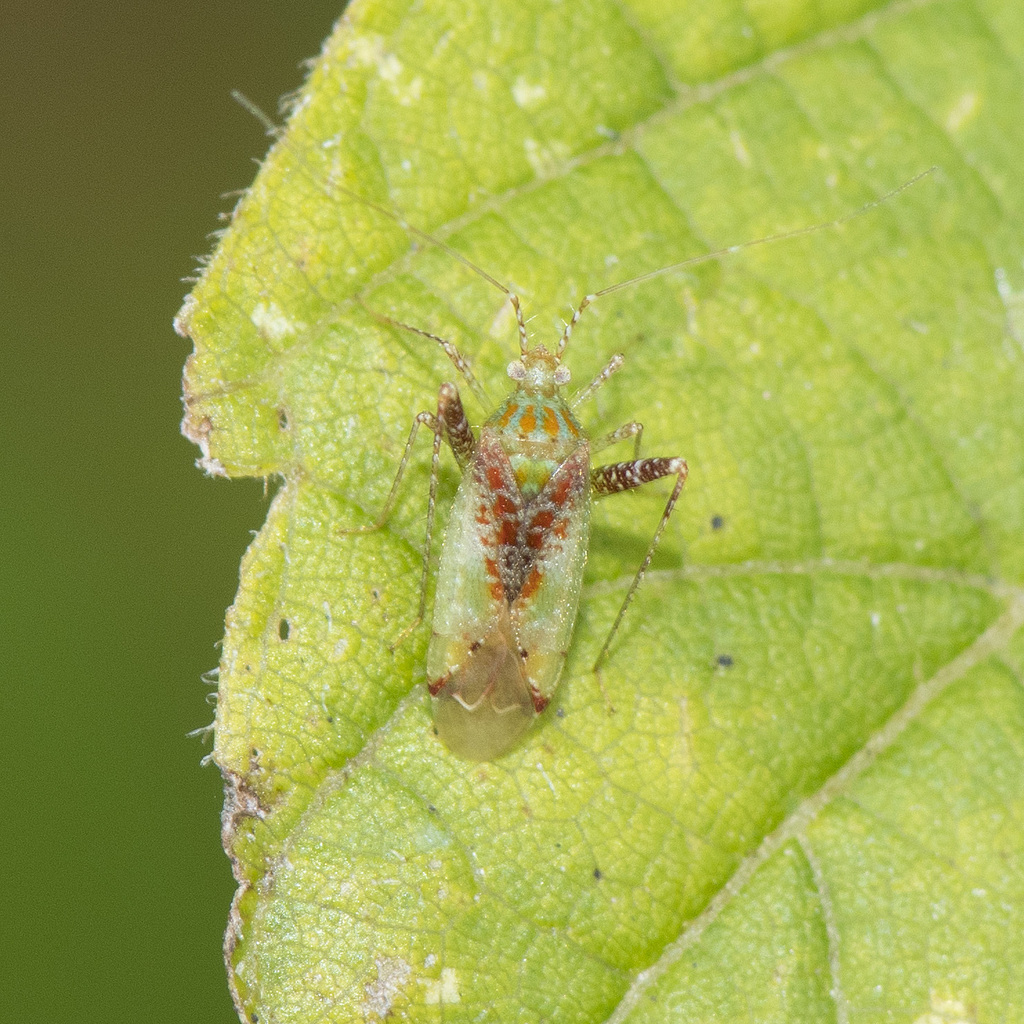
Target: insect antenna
[[275, 132], [728, 250], [459, 361]]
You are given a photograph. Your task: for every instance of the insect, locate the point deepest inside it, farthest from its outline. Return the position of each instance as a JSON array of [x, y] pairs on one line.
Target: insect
[[512, 561], [511, 567]]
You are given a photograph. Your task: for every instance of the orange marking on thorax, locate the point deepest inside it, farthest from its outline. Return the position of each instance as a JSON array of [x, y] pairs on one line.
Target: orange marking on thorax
[[506, 416], [570, 426], [528, 422], [550, 422]]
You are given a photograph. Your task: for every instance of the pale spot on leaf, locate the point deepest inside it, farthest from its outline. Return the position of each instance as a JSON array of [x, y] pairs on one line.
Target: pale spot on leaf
[[527, 94], [444, 990], [272, 323], [392, 974], [964, 110]]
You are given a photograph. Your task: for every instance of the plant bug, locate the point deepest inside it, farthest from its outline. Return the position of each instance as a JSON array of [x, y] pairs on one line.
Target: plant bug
[[511, 567], [512, 561]]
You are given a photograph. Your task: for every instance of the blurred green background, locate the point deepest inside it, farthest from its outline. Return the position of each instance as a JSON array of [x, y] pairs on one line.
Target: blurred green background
[[119, 557]]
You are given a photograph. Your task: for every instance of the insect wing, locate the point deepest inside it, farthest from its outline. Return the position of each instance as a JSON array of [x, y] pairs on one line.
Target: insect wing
[[557, 532], [482, 698]]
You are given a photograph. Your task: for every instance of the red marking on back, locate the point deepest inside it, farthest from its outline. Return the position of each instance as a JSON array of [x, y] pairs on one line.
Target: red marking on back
[[497, 587], [539, 525], [540, 702], [495, 477], [504, 505], [438, 685], [563, 486], [543, 519], [533, 581], [506, 512]]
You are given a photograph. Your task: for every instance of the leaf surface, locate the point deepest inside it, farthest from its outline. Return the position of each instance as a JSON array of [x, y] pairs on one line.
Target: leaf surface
[[808, 803]]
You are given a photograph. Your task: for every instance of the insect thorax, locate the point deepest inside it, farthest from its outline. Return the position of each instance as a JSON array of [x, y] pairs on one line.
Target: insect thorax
[[538, 433]]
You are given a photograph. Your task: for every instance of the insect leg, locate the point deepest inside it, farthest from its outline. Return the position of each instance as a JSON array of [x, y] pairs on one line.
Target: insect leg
[[615, 363], [624, 476], [451, 424], [626, 431]]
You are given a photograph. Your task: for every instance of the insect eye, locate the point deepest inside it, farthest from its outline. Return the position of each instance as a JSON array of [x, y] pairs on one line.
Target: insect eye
[[516, 370], [562, 375]]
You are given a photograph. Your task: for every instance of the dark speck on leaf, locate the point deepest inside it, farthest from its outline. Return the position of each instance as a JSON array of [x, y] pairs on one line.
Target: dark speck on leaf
[[717, 522], [597, 874], [560, 713], [724, 660], [284, 629], [431, 808]]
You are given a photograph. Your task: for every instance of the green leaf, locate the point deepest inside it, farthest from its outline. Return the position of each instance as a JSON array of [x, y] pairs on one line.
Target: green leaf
[[808, 803]]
